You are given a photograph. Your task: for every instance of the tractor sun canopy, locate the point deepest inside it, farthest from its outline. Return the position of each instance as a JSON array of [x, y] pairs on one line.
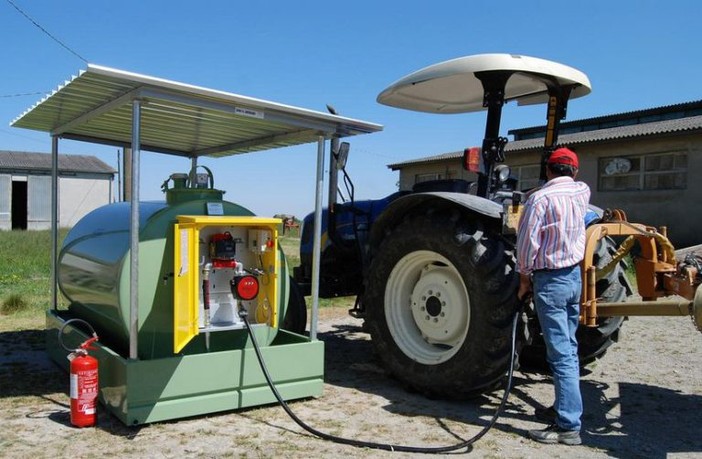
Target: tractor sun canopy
[[455, 86]]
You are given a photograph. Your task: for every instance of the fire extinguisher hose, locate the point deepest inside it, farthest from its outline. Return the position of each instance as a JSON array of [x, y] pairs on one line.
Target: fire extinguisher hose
[[63, 327]]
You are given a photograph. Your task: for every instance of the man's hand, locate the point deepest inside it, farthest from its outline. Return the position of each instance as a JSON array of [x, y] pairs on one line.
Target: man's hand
[[524, 286]]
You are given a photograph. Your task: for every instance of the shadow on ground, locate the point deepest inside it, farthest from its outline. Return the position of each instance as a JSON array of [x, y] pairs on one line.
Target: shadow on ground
[[25, 367], [626, 426]]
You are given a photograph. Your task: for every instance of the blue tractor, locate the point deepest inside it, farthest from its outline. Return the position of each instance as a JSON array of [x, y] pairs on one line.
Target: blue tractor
[[433, 269]]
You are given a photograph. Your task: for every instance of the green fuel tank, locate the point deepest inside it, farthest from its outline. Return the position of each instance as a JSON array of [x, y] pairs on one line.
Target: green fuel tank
[[94, 275]]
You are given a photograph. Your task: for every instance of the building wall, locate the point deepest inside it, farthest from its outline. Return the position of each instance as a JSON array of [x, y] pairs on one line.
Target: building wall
[[680, 210], [77, 197], [38, 201]]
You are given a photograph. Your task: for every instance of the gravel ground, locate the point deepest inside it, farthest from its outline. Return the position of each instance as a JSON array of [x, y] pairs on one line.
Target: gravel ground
[[643, 399]]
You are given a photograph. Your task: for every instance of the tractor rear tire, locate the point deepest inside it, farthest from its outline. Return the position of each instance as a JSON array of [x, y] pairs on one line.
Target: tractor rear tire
[[593, 342], [440, 300]]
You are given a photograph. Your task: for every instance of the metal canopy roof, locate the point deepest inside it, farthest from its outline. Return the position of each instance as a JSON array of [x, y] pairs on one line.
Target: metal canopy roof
[[177, 118]]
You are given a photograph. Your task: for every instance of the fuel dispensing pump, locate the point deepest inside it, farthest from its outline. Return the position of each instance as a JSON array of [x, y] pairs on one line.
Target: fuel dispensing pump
[[228, 286], [224, 265]]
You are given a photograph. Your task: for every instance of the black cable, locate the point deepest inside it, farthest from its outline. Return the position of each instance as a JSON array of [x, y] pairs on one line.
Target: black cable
[[401, 448], [5, 96], [46, 31]]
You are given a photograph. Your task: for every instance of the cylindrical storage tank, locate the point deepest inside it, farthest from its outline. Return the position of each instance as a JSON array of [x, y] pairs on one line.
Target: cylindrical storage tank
[[94, 275]]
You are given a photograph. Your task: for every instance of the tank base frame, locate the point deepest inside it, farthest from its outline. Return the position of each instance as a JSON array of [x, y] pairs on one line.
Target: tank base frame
[[145, 391]]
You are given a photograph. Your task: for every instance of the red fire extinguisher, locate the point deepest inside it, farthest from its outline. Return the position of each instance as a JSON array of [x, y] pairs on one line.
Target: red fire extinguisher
[[84, 385]]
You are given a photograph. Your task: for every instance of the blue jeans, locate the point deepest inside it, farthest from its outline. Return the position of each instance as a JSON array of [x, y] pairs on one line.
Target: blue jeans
[[557, 302]]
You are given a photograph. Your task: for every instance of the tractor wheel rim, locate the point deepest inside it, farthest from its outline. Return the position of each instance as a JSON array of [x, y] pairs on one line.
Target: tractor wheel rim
[[427, 307]]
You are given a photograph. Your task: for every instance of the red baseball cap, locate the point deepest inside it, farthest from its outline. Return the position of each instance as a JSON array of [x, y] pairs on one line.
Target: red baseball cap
[[564, 156]]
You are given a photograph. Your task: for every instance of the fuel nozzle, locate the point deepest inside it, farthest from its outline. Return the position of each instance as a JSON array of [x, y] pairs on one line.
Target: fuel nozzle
[[206, 270]]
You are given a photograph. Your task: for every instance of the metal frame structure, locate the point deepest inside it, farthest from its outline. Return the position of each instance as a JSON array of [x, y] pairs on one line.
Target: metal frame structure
[[113, 107]]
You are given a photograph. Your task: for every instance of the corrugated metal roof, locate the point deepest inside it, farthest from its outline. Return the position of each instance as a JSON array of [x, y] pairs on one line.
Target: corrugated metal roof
[[177, 118], [692, 123], [31, 161], [652, 114], [637, 130]]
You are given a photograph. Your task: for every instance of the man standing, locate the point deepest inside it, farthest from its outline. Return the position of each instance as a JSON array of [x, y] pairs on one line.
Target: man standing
[[550, 246]]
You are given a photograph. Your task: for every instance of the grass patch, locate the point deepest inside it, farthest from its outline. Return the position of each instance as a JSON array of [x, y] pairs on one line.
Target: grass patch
[[14, 303], [291, 249], [25, 277]]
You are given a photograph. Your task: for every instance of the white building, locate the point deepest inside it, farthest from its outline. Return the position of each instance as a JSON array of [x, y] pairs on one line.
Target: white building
[[85, 183]]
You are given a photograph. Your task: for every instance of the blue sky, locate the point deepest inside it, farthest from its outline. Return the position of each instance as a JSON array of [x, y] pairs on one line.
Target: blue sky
[[638, 54]]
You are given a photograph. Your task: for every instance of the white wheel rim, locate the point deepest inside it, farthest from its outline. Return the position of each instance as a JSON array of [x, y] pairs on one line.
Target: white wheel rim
[[427, 308]]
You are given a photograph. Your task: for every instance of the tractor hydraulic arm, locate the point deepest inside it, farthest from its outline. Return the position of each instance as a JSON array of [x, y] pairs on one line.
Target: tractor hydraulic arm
[[658, 274]]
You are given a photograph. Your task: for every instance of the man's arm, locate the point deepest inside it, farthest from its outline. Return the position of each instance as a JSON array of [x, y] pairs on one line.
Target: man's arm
[[525, 287]]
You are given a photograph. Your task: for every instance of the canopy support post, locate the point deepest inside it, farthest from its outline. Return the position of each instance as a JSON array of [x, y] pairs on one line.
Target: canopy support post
[[134, 232], [54, 222], [317, 237]]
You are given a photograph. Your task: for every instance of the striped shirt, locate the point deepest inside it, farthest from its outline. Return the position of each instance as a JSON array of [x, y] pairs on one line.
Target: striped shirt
[[551, 231]]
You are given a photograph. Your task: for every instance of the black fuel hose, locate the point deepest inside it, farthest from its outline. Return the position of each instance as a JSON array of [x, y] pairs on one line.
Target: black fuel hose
[[400, 448]]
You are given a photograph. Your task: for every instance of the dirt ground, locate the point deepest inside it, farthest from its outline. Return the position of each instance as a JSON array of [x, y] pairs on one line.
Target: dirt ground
[[643, 399]]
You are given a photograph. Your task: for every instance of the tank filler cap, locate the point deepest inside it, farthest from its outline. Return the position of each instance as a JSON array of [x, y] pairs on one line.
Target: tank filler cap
[[180, 180]]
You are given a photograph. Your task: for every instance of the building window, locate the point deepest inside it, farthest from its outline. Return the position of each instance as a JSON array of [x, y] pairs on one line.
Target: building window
[[426, 177], [527, 176], [663, 171]]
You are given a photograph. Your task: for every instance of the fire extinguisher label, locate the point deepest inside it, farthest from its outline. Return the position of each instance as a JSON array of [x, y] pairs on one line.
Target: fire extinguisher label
[[74, 386], [84, 385]]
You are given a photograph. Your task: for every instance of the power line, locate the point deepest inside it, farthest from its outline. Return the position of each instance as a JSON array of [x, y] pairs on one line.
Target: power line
[[16, 134], [22, 94], [46, 31]]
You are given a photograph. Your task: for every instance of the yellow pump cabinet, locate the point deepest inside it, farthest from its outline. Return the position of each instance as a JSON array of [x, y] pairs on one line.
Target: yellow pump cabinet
[[224, 265]]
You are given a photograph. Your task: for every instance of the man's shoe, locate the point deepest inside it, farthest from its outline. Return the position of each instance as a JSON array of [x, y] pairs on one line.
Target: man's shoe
[[554, 434], [547, 415]]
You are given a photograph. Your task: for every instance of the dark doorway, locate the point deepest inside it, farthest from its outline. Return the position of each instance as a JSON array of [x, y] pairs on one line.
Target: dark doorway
[[19, 205]]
